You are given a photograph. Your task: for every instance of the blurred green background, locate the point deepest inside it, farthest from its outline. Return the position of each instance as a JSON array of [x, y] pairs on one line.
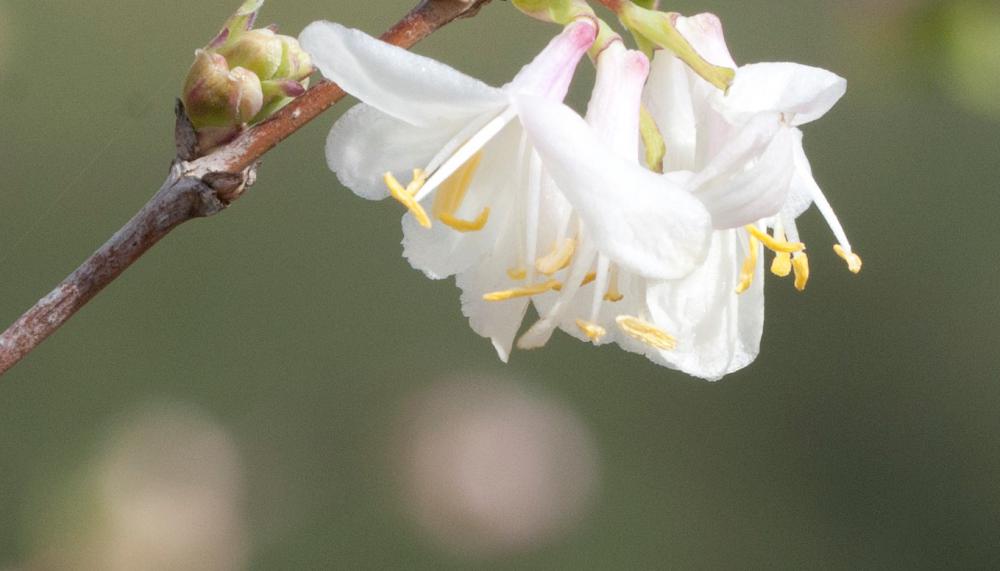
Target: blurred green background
[[275, 388]]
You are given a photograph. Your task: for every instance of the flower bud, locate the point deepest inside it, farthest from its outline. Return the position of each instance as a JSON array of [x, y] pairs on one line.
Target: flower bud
[[296, 64], [216, 96], [242, 77], [259, 51]]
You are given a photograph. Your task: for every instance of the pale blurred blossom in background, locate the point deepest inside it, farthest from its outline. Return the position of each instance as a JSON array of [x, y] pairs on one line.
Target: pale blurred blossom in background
[[165, 492], [490, 468]]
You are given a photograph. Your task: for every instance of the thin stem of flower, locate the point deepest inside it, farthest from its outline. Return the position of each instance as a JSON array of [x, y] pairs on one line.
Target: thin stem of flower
[[200, 188]]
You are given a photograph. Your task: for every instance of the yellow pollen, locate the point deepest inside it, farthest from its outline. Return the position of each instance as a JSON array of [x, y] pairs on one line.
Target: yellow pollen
[[465, 225], [405, 195], [800, 263], [586, 280], [593, 331], [749, 266], [558, 259], [646, 332], [853, 260], [449, 196], [781, 266], [517, 273], [773, 243], [523, 291]]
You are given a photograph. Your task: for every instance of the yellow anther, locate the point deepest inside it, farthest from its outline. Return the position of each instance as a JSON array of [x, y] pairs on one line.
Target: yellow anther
[[646, 332], [749, 266], [586, 280], [523, 291], [613, 295], [517, 273], [800, 263], [405, 195], [592, 330], [449, 196], [781, 266], [465, 225], [853, 260], [772, 243], [558, 259]]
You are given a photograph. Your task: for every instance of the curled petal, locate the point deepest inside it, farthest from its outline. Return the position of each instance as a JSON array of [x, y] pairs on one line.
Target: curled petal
[[750, 178], [638, 219], [800, 92], [613, 110], [550, 73], [410, 87], [704, 33]]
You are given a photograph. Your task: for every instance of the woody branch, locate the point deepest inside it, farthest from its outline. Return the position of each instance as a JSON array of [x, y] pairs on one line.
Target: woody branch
[[198, 188]]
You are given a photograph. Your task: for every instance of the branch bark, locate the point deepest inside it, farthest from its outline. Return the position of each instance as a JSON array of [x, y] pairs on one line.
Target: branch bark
[[200, 188]]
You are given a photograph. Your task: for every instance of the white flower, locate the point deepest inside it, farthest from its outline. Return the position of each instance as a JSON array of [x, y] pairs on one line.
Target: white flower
[[718, 310], [741, 155], [619, 306], [477, 173], [771, 100]]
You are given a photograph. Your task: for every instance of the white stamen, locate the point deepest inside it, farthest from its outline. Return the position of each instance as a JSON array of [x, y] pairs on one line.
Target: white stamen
[[465, 152], [531, 207], [819, 199], [600, 285], [539, 333]]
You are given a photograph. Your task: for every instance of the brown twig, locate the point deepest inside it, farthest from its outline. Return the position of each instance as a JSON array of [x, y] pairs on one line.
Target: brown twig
[[200, 188]]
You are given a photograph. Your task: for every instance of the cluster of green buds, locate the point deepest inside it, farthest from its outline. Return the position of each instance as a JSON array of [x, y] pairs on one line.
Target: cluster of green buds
[[651, 28], [242, 77]]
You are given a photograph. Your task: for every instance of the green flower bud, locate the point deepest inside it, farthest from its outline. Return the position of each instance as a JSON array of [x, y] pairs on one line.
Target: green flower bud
[[242, 77], [295, 62], [216, 96], [259, 51]]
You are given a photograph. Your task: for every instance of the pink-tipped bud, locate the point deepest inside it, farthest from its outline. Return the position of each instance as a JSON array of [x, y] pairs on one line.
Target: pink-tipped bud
[[242, 76]]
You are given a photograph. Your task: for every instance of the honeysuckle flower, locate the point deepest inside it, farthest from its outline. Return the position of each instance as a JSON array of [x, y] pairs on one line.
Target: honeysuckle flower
[[602, 300], [742, 157], [478, 188], [718, 310], [766, 100]]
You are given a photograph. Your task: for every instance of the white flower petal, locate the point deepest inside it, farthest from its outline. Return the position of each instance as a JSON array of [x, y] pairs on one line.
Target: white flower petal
[[365, 143], [441, 251], [802, 93], [669, 99], [613, 110], [718, 331], [414, 88], [497, 320], [637, 218], [743, 184]]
